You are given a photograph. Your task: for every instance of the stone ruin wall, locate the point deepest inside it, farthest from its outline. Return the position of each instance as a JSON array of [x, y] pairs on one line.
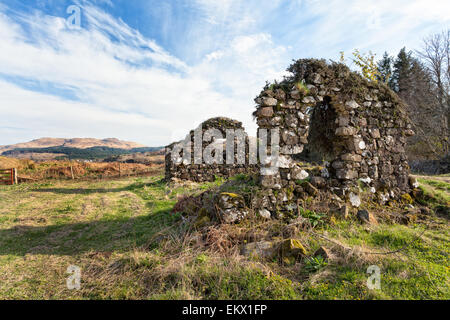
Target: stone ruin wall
[[356, 129], [359, 128], [209, 172]]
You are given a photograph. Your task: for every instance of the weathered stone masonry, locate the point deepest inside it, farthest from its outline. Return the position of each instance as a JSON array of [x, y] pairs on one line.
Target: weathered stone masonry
[[359, 128], [355, 129], [208, 172]]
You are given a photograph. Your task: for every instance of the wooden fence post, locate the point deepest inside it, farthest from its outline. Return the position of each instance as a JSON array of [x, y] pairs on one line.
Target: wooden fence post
[[15, 176], [71, 171]]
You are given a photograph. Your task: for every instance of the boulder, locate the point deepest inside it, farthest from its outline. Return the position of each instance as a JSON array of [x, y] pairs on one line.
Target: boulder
[[269, 102], [345, 131], [346, 174], [291, 121], [366, 217], [299, 174], [260, 250], [354, 199], [295, 94], [343, 121], [291, 149], [375, 133], [413, 182], [318, 182], [265, 112], [291, 250], [265, 213], [284, 162], [308, 100], [233, 215], [289, 137], [351, 157], [231, 207], [316, 78], [271, 182], [229, 200], [408, 218], [352, 104]]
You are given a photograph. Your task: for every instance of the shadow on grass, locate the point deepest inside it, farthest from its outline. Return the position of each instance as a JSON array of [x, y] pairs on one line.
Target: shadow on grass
[[117, 235], [79, 191], [132, 187]]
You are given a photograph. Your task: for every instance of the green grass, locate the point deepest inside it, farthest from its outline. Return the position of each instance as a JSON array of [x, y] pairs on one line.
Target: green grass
[[436, 195], [441, 185], [419, 271], [129, 245]]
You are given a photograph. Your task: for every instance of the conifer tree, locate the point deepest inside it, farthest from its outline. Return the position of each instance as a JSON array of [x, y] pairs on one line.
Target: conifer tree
[[402, 71], [385, 70]]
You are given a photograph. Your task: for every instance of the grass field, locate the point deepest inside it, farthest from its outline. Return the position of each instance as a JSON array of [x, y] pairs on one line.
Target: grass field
[[129, 245]]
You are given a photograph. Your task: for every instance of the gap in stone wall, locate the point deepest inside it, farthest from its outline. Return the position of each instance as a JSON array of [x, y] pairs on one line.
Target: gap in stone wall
[[322, 143]]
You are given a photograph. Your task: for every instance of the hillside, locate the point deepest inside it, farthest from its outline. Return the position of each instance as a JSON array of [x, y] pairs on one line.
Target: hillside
[[79, 143], [140, 157], [45, 149], [62, 152]]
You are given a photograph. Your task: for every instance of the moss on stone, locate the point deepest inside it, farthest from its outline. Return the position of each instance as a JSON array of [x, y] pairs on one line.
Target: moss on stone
[[231, 195], [202, 222], [407, 199], [292, 248]]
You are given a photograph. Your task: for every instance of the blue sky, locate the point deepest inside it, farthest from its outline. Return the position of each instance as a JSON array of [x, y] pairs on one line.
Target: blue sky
[[149, 71]]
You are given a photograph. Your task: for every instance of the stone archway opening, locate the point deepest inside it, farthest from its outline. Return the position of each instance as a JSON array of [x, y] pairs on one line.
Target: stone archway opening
[[322, 143]]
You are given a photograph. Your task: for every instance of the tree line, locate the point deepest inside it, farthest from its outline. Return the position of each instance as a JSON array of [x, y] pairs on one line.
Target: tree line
[[92, 153], [421, 78]]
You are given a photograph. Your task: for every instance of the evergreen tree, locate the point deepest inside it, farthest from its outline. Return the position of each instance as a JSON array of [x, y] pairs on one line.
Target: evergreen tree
[[385, 70], [402, 71], [413, 83]]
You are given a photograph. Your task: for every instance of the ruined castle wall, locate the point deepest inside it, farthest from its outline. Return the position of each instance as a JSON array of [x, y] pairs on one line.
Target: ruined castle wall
[[358, 127], [176, 168]]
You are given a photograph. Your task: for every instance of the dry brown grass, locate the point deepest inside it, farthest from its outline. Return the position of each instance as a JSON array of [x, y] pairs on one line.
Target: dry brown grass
[[81, 170], [8, 163]]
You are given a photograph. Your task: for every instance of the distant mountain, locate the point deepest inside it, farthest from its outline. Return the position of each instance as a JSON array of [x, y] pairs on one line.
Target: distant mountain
[[59, 153], [79, 143], [78, 148]]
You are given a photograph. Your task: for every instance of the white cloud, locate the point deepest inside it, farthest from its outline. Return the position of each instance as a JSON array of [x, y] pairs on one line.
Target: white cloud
[[377, 25], [65, 118], [133, 88], [130, 87]]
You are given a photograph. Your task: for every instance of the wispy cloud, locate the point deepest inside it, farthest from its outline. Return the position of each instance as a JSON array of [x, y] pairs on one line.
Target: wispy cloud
[[109, 79], [119, 77]]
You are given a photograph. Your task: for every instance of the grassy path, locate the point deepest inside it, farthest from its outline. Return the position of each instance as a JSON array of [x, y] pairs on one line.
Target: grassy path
[[440, 178]]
